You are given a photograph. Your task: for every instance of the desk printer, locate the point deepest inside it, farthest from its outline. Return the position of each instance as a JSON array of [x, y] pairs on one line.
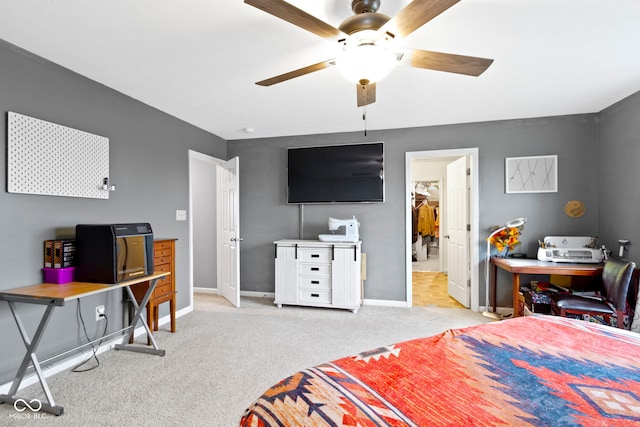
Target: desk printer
[[574, 249]]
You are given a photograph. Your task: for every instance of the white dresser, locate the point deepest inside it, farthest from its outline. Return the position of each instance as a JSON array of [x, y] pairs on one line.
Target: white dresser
[[318, 274]]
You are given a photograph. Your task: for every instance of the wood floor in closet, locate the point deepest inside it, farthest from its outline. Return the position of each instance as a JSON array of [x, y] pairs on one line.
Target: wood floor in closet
[[430, 288]]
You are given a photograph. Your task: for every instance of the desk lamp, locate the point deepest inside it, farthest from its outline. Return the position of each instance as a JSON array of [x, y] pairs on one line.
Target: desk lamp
[[518, 222]]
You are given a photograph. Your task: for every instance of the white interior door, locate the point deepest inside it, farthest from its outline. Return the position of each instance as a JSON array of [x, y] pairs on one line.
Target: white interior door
[[457, 233], [229, 231]]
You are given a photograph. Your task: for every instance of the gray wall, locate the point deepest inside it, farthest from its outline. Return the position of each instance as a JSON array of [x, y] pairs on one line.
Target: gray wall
[[618, 172], [148, 164], [266, 217], [598, 157]]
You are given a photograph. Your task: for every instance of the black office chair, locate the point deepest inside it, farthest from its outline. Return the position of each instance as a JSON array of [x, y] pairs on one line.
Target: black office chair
[[616, 277]]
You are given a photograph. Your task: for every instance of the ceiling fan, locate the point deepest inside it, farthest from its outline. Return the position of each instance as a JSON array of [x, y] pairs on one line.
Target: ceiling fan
[[367, 40]]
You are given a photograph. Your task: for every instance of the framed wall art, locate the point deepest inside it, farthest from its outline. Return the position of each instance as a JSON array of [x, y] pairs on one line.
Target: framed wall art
[[534, 174]]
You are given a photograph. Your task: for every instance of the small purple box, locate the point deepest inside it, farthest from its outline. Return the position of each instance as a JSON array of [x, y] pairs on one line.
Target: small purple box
[[58, 275]]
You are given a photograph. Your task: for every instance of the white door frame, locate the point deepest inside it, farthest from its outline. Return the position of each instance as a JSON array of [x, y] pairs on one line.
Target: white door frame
[[474, 217], [193, 156]]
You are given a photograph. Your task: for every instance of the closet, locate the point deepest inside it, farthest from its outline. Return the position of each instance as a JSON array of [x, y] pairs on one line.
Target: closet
[[425, 209]]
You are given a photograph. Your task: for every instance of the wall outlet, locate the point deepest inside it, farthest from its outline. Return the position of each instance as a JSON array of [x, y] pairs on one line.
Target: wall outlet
[[181, 215], [99, 312]]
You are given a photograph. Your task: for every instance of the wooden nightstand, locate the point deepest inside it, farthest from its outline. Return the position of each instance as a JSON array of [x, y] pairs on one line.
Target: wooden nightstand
[[164, 251]]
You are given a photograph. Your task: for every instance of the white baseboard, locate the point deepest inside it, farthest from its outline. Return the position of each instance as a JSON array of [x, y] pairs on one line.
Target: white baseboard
[[206, 290], [385, 303], [179, 313], [72, 361], [259, 294], [63, 365], [255, 294], [372, 302]]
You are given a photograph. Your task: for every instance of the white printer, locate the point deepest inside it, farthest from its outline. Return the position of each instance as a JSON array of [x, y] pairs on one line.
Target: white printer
[[574, 249]]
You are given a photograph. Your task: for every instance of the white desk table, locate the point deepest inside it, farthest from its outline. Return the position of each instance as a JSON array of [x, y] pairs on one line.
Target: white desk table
[[56, 295]]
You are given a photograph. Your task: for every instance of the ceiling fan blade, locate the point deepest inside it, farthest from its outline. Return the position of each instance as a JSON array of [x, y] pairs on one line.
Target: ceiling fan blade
[[297, 73], [295, 16], [415, 15], [460, 64], [366, 94]]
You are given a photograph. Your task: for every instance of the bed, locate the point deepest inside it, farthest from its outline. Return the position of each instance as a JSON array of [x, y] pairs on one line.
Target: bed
[[534, 370]]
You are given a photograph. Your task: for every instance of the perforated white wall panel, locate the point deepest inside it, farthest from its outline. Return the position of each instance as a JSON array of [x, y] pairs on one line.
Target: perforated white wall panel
[[46, 158]]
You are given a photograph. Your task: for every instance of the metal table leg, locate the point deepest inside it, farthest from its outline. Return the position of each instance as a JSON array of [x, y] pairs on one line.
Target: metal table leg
[[138, 317], [31, 358]]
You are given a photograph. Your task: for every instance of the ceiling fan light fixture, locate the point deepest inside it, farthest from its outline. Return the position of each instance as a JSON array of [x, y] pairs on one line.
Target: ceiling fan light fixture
[[368, 39], [367, 61]]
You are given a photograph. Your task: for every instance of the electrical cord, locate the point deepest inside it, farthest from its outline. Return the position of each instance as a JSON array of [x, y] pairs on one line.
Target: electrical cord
[[94, 347]]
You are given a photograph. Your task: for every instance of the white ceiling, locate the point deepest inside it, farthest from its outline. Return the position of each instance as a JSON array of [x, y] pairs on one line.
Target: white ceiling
[[198, 60]]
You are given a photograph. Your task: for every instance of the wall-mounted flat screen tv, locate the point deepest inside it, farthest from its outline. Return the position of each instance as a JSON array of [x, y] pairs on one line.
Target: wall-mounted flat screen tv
[[352, 173]]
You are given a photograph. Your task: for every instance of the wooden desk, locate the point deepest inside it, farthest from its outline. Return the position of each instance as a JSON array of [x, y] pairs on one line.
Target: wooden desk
[[56, 295], [517, 267]]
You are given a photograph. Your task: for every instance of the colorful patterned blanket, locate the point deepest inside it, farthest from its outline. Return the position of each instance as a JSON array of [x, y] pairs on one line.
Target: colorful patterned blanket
[[527, 371]]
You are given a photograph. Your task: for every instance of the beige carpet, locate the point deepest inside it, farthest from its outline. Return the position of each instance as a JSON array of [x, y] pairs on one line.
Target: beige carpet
[[221, 358]]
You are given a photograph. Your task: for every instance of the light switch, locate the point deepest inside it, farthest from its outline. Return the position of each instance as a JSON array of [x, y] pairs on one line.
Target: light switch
[[181, 215]]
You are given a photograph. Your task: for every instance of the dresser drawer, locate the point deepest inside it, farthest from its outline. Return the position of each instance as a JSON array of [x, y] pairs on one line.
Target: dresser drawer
[[314, 283], [315, 296], [315, 270], [161, 260], [161, 253], [163, 269], [161, 290], [163, 244], [309, 254]]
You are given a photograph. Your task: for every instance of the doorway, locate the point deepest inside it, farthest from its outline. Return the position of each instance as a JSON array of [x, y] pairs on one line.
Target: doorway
[[426, 206], [437, 246], [202, 223], [214, 253], [429, 276]]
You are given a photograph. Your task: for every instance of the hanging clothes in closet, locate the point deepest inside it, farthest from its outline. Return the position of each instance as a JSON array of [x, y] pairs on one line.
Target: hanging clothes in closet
[[436, 210], [426, 220], [414, 225]]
